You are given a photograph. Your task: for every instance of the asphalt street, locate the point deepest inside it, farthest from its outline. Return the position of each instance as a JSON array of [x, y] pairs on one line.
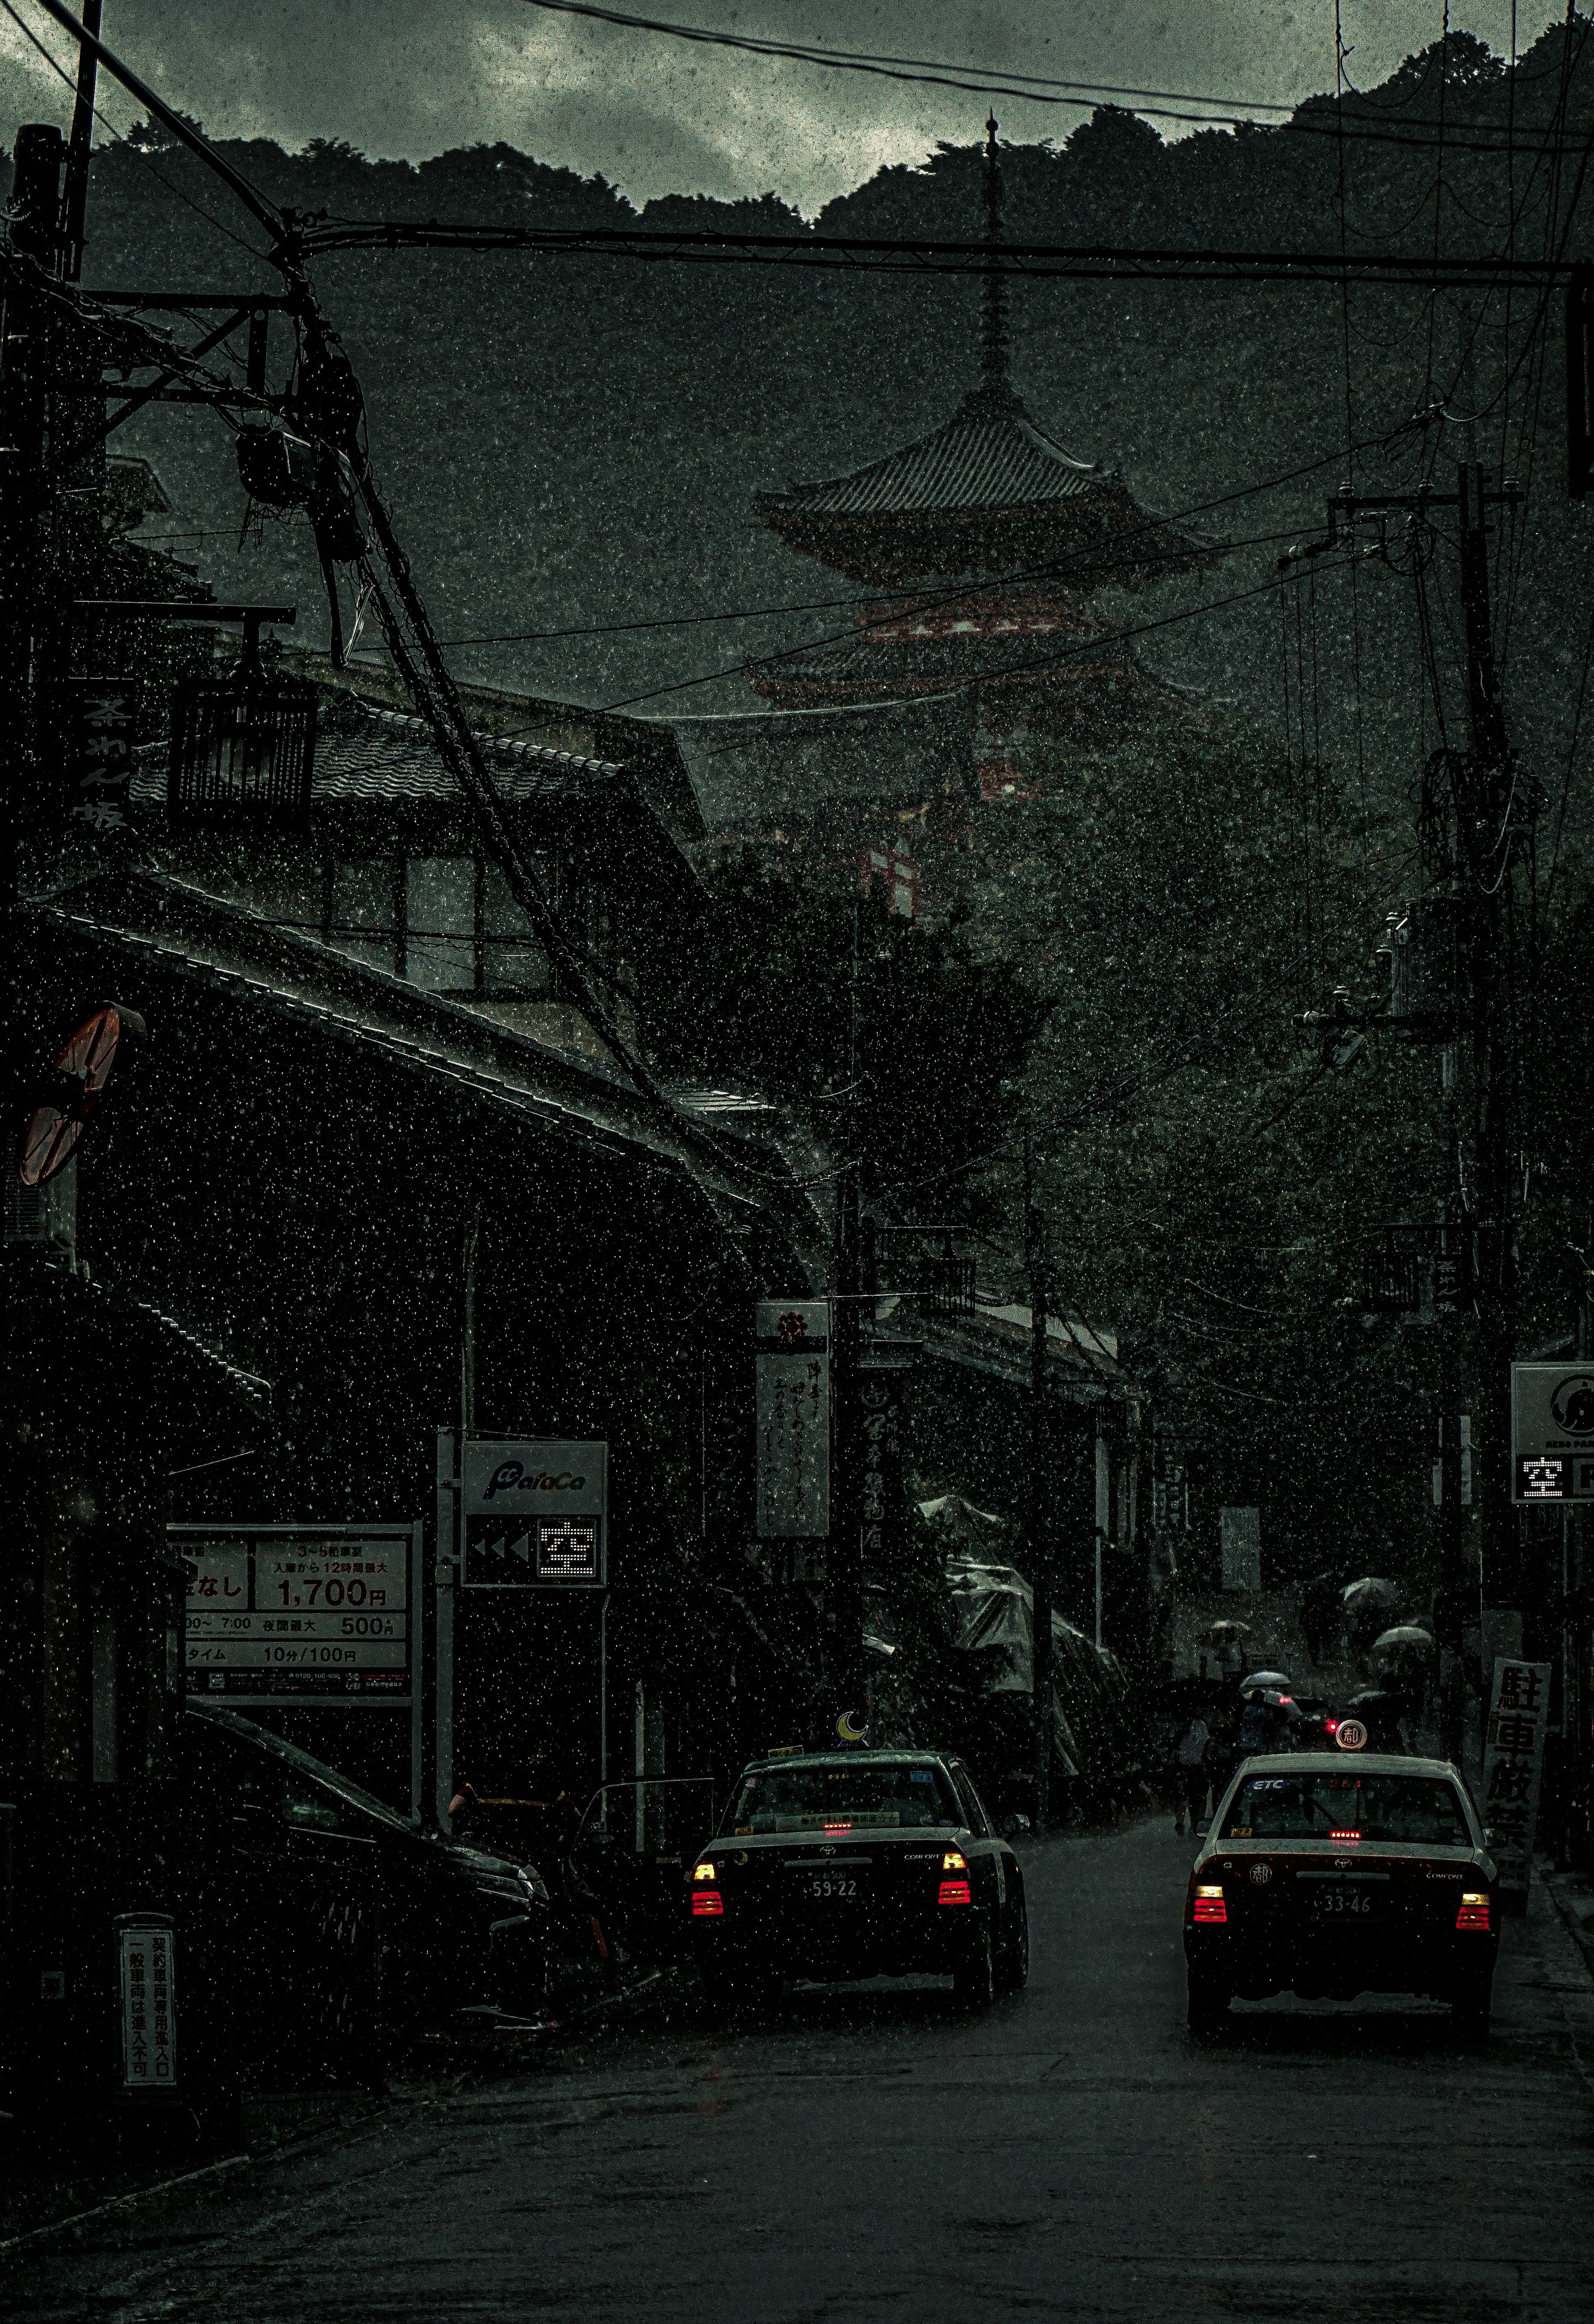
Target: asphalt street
[[875, 2155]]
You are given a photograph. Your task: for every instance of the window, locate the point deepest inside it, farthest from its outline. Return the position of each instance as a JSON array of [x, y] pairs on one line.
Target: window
[[512, 960], [825, 1798], [448, 923], [440, 923], [362, 896]]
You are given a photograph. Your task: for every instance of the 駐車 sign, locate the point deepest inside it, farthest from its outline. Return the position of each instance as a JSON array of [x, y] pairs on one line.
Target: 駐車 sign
[[1514, 1758]]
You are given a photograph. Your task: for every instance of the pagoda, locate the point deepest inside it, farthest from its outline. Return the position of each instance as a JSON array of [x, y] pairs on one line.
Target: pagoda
[[986, 541]]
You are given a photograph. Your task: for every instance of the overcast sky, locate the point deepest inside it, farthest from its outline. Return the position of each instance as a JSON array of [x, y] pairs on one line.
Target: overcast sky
[[408, 79]]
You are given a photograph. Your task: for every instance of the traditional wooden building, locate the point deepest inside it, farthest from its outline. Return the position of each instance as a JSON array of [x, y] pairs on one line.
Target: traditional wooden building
[[987, 540]]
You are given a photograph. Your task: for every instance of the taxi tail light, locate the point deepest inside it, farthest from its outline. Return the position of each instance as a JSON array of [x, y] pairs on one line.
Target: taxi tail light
[[955, 1892], [706, 1901], [1473, 1913], [1210, 1904]]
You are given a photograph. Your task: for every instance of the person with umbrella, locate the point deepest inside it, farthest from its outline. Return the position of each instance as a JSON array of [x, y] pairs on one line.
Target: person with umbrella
[[1268, 1715], [1190, 1772], [1320, 1615]]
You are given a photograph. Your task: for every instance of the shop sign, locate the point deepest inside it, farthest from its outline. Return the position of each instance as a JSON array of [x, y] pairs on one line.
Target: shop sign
[[791, 1364], [535, 1513], [1551, 1433]]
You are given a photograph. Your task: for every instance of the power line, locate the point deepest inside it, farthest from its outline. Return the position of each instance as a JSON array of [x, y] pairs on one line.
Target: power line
[[975, 80]]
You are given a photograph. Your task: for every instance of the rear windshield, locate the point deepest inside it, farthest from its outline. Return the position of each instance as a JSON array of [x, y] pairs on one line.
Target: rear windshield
[[835, 1799], [1424, 1808]]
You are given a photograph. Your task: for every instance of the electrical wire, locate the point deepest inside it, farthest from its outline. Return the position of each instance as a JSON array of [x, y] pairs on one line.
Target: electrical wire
[[122, 138], [1166, 104]]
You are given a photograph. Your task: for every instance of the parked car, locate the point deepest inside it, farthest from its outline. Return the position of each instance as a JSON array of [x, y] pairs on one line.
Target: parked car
[[351, 1928]]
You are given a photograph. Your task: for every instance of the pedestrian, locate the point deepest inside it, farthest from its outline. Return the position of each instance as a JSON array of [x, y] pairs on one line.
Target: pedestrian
[[1191, 1772], [1320, 1605]]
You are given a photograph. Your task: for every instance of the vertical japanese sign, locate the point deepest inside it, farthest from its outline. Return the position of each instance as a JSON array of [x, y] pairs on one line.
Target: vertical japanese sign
[[149, 2008], [791, 1356], [882, 1516], [99, 722], [1513, 1762], [1241, 1532]]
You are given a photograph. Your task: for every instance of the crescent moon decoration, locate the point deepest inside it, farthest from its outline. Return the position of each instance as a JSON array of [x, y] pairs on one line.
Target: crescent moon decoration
[[847, 1731], [81, 1068]]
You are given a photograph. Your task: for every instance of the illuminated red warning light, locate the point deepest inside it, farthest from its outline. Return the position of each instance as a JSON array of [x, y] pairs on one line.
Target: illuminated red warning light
[[1344, 1835], [838, 1827]]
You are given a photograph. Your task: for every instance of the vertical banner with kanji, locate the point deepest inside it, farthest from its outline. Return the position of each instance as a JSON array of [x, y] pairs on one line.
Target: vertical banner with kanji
[[791, 1357], [882, 1511], [99, 725], [149, 2008], [1513, 1762]]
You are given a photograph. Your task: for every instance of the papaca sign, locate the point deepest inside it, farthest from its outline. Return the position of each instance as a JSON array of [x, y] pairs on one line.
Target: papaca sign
[[511, 1476], [515, 1481]]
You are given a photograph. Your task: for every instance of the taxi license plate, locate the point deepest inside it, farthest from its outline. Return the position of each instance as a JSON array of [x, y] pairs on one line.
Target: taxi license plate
[[1344, 1900], [832, 1887]]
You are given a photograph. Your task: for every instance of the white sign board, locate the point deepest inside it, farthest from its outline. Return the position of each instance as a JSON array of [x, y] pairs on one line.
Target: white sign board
[[1241, 1532], [149, 2008], [1513, 1758], [791, 1360], [535, 1513], [1551, 1433], [275, 1611]]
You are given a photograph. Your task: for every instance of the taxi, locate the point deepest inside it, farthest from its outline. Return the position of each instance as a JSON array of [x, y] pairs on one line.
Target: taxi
[[1330, 1877], [855, 1864]]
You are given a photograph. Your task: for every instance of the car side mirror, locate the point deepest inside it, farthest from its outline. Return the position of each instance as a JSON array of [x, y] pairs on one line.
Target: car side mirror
[[1204, 1827], [1010, 1826]]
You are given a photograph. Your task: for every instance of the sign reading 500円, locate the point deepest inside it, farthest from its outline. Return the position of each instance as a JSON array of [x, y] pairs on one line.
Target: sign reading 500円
[[274, 1610]]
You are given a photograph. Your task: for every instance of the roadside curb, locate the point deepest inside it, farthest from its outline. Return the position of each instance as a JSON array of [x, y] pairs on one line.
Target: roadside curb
[[1572, 1896], [97, 2212]]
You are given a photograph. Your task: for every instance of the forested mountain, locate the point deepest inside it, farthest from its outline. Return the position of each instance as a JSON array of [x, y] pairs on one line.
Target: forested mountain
[[574, 442]]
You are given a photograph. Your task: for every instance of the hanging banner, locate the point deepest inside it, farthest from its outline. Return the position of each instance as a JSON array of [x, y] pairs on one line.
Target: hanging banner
[[791, 1360], [1240, 1534], [882, 1511], [534, 1514], [1518, 1713], [98, 719]]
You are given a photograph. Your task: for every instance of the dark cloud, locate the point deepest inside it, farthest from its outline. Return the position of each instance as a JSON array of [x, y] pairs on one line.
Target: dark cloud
[[408, 78]]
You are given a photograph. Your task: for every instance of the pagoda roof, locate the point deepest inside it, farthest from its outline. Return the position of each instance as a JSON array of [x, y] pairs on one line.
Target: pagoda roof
[[988, 455]]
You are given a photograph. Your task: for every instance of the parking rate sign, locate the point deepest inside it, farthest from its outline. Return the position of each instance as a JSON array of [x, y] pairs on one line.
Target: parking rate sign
[[1551, 1433]]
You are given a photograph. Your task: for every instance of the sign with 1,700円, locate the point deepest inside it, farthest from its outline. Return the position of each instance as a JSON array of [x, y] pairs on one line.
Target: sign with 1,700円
[[298, 1610]]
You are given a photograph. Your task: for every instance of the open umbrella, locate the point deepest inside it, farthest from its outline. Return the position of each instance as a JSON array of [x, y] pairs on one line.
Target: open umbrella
[[1359, 1597], [1219, 1634], [1263, 1679], [1404, 1644]]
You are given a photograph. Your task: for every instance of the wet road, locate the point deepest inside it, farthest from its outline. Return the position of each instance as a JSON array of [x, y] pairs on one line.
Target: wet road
[[878, 2156]]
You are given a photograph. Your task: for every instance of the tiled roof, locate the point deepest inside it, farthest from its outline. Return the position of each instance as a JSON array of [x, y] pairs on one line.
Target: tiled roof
[[988, 455], [364, 753]]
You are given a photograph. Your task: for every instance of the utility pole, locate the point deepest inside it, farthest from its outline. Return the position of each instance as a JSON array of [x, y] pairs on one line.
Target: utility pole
[[843, 1574], [1487, 823], [1038, 1513]]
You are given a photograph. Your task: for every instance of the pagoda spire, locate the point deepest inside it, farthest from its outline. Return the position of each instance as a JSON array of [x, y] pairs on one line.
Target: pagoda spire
[[993, 320]]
